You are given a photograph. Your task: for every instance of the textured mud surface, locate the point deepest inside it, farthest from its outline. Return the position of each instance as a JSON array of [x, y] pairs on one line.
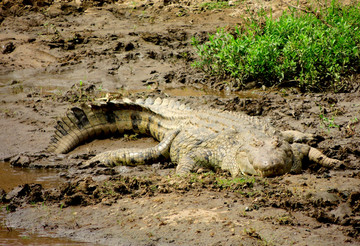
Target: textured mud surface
[[54, 55]]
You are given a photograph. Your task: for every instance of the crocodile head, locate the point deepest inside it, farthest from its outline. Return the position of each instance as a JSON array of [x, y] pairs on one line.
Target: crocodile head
[[269, 157]]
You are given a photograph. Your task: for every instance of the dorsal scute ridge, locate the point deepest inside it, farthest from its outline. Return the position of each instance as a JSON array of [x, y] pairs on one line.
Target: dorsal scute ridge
[[139, 101], [171, 109], [182, 107], [165, 102], [177, 105], [158, 101], [171, 104], [241, 119], [127, 100], [149, 101]]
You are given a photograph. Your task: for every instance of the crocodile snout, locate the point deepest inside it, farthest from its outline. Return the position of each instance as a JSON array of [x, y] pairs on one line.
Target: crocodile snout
[[272, 168], [272, 161]]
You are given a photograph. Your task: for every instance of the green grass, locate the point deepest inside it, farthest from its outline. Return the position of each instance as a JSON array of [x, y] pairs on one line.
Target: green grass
[[216, 4], [305, 50], [327, 122], [235, 182]]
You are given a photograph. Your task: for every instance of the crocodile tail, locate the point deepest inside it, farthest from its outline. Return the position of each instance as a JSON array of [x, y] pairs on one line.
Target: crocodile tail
[[100, 120], [318, 157]]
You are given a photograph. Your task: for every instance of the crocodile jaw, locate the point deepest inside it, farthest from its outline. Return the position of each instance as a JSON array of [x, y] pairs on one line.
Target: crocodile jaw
[[273, 166], [273, 170], [265, 169]]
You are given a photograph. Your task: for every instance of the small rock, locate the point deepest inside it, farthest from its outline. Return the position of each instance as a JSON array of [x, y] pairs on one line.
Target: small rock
[[35, 193], [122, 169], [156, 166], [14, 82], [247, 209], [129, 46], [2, 195], [75, 200], [324, 197], [20, 160], [341, 212], [354, 198], [18, 192], [8, 48], [119, 46]]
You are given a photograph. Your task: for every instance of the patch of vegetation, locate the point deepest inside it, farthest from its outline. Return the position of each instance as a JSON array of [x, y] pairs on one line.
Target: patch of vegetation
[[235, 183], [219, 181], [309, 49], [251, 232], [327, 122], [217, 4], [131, 137], [82, 92], [285, 219], [350, 128], [17, 89]]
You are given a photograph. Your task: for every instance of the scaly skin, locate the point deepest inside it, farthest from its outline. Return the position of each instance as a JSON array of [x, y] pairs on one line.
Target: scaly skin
[[190, 138]]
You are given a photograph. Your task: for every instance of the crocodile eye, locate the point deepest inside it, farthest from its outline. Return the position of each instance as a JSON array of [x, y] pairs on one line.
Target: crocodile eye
[[257, 143], [276, 143]]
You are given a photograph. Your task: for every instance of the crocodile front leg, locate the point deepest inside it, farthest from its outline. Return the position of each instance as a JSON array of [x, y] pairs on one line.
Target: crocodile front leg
[[300, 151], [133, 157], [188, 162]]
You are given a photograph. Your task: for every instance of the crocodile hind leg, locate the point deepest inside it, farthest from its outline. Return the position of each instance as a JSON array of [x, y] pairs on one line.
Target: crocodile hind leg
[[318, 157], [133, 157]]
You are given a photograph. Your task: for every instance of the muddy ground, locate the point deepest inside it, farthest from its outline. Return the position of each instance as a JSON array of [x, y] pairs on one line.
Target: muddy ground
[[57, 54]]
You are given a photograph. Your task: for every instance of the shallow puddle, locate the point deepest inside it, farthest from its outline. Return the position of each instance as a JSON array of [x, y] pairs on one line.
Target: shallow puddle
[[11, 177], [9, 236]]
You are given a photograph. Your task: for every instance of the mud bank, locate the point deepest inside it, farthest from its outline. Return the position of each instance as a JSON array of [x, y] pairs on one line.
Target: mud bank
[[57, 54]]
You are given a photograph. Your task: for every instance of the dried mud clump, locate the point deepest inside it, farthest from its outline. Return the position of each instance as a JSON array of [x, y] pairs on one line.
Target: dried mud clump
[[22, 195]]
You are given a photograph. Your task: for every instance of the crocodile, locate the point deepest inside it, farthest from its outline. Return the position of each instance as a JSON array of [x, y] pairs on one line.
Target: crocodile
[[192, 139]]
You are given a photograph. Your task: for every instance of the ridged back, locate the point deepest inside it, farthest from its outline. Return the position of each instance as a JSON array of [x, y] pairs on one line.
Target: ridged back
[[151, 117]]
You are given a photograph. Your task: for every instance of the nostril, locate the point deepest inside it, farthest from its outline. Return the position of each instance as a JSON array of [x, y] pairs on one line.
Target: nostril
[[265, 164]]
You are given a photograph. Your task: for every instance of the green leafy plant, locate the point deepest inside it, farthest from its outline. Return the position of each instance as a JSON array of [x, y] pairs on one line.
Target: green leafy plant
[[311, 51], [327, 122]]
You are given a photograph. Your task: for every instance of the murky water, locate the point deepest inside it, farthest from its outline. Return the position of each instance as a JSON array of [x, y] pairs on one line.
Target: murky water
[[11, 177], [9, 236]]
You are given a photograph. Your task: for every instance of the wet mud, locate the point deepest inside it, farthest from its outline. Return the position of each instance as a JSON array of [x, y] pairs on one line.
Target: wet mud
[[56, 54]]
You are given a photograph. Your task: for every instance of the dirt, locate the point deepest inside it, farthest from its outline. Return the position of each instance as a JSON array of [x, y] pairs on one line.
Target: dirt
[[59, 53]]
